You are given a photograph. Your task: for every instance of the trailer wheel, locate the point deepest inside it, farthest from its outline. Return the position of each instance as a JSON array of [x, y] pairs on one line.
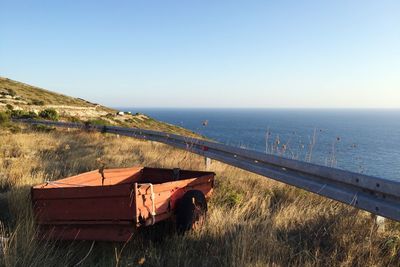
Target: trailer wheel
[[191, 211]]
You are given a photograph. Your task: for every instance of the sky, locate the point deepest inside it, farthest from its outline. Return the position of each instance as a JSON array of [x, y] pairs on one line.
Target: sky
[[248, 54]]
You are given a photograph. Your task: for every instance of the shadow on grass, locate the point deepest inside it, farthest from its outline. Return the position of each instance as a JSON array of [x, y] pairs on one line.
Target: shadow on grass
[[5, 215]]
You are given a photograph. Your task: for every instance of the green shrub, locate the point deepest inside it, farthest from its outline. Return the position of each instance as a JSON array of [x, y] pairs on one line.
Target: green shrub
[[17, 113], [97, 122], [42, 128], [73, 119], [234, 198], [4, 118], [11, 92], [37, 102], [49, 114], [14, 128], [110, 116], [21, 114], [129, 120], [10, 107]]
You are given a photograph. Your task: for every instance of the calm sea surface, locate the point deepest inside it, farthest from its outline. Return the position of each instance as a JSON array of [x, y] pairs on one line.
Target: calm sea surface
[[365, 141]]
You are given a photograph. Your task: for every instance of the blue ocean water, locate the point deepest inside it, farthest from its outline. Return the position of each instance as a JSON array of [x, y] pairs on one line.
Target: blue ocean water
[[364, 141]]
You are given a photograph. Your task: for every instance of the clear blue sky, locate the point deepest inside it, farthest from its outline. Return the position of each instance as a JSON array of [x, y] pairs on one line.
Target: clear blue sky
[[207, 53]]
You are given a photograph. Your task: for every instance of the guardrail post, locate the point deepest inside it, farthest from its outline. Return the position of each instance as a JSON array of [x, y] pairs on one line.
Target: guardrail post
[[379, 223], [207, 161]]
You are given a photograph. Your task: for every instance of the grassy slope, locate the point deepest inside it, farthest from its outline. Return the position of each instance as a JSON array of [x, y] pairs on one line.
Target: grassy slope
[[30, 93], [252, 221], [78, 109]]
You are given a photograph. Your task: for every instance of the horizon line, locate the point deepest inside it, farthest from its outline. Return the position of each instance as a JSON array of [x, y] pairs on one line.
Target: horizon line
[[330, 108]]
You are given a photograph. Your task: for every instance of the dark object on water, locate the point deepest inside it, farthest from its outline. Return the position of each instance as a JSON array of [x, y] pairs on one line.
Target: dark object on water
[[111, 206]]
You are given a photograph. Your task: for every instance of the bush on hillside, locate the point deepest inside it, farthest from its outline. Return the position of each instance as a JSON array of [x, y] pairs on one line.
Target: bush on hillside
[[37, 102], [49, 114], [14, 128], [73, 119], [4, 118], [11, 92], [42, 128], [9, 107], [21, 114], [129, 120], [98, 121]]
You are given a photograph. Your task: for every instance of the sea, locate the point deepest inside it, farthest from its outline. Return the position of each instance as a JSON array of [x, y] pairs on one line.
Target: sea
[[358, 140]]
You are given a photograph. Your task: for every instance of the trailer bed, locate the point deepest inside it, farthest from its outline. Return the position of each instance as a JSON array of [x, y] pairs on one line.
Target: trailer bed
[[112, 204]]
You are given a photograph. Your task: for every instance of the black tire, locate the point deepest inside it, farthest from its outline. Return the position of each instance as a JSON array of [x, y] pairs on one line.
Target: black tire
[[191, 211]]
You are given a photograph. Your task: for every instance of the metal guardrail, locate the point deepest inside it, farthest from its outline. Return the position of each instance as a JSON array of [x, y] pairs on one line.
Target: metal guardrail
[[376, 195]]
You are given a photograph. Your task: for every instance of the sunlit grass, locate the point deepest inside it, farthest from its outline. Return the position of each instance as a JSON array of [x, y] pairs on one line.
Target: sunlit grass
[[252, 221]]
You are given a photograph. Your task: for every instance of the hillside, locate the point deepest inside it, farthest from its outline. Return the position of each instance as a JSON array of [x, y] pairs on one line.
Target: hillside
[[26, 100], [25, 94]]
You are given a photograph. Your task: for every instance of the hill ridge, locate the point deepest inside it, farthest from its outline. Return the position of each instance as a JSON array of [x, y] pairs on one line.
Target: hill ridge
[[20, 98]]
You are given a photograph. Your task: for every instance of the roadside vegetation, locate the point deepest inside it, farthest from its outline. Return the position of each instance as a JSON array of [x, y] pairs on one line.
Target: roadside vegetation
[[252, 221]]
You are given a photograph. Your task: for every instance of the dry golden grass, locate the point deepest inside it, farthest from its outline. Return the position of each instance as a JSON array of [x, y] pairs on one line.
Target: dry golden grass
[[252, 221], [30, 93]]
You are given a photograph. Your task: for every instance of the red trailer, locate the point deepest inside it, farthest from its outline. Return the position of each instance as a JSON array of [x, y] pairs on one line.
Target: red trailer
[[111, 204]]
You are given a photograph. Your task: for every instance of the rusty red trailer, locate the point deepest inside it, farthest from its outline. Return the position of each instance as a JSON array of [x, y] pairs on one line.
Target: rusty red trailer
[[111, 204]]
